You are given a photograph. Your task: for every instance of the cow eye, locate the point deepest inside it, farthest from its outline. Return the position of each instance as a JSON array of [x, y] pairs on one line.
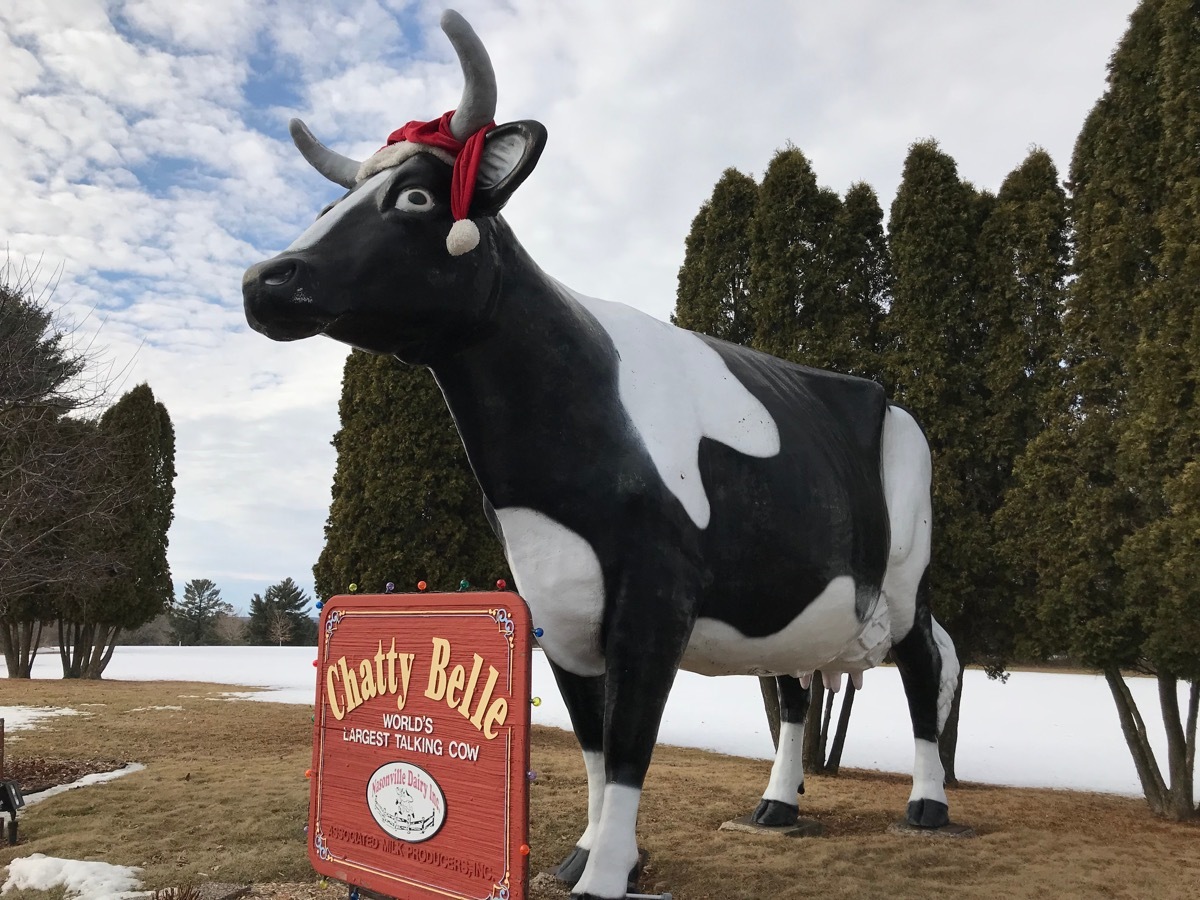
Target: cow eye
[[414, 200]]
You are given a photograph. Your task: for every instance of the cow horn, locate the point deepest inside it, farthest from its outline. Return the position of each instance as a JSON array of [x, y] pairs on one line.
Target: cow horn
[[478, 105], [337, 168]]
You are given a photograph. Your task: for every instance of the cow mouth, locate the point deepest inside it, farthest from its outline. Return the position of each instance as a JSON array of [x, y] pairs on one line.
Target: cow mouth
[[290, 326], [291, 331]]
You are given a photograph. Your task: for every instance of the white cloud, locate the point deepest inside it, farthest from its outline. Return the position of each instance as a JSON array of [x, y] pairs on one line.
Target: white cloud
[[135, 160], [215, 25]]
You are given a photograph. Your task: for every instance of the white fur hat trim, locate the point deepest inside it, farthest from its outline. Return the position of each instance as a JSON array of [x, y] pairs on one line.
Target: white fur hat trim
[[463, 237], [394, 154]]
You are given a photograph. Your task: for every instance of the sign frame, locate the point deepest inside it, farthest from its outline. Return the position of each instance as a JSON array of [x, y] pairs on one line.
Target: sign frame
[[411, 795]]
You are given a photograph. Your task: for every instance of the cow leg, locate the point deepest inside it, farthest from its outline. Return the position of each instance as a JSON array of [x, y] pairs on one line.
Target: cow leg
[[922, 652], [929, 669], [584, 698], [778, 805], [642, 656]]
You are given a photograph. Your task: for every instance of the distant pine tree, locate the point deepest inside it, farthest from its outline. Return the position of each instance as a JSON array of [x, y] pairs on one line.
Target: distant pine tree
[[282, 617], [194, 616]]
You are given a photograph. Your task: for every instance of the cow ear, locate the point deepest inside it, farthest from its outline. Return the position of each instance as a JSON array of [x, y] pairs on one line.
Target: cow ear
[[510, 152]]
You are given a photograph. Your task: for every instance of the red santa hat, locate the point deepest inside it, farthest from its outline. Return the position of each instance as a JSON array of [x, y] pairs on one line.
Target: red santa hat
[[464, 156]]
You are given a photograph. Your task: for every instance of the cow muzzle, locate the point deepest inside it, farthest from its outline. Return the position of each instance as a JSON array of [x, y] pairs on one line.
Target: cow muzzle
[[279, 300]]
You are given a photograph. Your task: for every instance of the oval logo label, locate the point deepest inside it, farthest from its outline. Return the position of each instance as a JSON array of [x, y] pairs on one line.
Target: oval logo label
[[406, 802]]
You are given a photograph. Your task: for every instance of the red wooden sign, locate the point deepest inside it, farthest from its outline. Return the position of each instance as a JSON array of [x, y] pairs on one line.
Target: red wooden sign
[[421, 745]]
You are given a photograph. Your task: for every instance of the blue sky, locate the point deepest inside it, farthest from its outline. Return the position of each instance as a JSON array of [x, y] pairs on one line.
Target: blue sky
[[146, 164]]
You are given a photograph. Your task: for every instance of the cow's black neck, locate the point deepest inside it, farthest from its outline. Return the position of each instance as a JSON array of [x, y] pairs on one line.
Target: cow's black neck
[[537, 383]]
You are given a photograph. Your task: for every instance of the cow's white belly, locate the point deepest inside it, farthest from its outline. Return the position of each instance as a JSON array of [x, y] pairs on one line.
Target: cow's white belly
[[560, 578], [827, 635]]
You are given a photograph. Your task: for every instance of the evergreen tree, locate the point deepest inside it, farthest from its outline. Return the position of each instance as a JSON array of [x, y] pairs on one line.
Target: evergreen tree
[[793, 271], [936, 338], [1023, 264], [406, 506], [281, 616], [1105, 505], [714, 292], [194, 618], [844, 336], [138, 433]]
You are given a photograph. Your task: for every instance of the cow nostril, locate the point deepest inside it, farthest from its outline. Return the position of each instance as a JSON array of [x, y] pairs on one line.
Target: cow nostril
[[280, 273]]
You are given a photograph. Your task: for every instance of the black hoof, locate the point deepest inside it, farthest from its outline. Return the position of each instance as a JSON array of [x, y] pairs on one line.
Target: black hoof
[[570, 870], [928, 813], [772, 813]]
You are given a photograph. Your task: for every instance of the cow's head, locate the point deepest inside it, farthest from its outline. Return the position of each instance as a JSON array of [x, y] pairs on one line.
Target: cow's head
[[380, 268]]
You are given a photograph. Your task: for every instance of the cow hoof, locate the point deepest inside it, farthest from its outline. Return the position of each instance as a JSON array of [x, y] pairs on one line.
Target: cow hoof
[[928, 813], [773, 813], [570, 870]]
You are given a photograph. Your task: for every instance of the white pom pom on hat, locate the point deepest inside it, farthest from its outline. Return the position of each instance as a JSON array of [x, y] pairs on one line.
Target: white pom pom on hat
[[463, 237]]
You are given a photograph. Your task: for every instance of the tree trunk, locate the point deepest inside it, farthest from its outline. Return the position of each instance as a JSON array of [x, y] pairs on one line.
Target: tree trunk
[[64, 648], [7, 633], [102, 650], [814, 759], [839, 739], [823, 750], [1134, 730], [770, 695], [29, 635], [78, 648], [948, 739], [1180, 806]]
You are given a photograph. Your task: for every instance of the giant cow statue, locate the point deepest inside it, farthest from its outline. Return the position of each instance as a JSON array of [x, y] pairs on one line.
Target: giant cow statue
[[665, 499]]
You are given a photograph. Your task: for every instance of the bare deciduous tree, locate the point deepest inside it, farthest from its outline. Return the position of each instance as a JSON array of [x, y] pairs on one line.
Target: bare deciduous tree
[[56, 484]]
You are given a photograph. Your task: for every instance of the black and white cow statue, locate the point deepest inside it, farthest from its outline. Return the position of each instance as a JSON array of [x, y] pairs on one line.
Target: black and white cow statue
[[665, 499]]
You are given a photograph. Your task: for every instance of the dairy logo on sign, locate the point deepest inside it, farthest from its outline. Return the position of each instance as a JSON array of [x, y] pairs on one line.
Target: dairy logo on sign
[[406, 802]]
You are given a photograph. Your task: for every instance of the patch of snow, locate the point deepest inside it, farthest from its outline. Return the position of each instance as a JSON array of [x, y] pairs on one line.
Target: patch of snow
[[1036, 730], [150, 708], [22, 718], [83, 880], [98, 778]]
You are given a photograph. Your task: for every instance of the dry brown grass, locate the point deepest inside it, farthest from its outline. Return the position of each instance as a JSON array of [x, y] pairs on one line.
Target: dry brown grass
[[224, 798]]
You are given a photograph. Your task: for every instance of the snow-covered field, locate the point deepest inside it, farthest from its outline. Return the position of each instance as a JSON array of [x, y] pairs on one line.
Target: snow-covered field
[[1038, 730]]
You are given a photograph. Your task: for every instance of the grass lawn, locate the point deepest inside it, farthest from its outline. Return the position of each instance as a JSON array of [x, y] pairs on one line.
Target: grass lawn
[[224, 798]]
